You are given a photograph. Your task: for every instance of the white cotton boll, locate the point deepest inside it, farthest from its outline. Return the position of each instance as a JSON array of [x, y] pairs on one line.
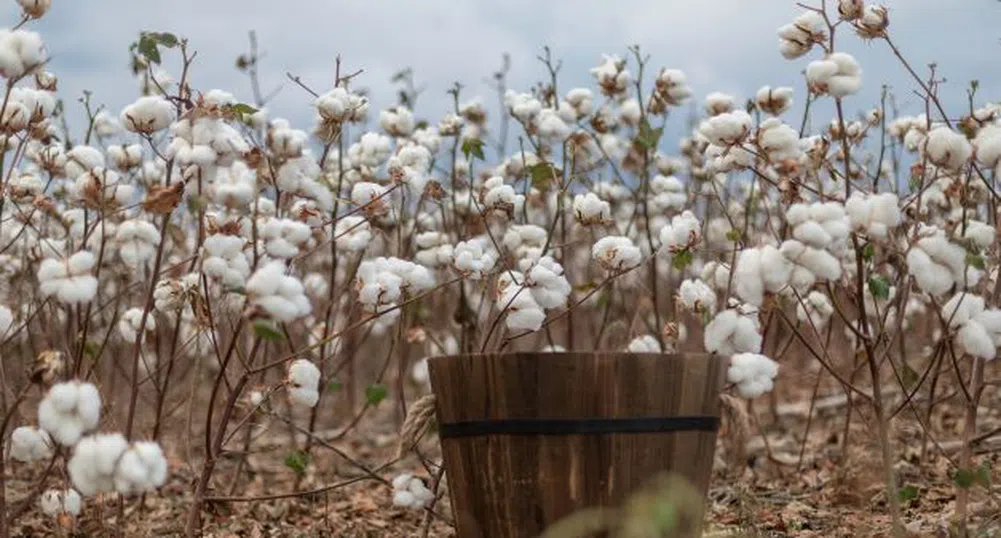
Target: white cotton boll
[[304, 383], [581, 100], [523, 313], [353, 233], [981, 234], [548, 285], [589, 209], [797, 38], [753, 374], [987, 145], [974, 340], [684, 231], [731, 332], [472, 260], [129, 327], [931, 277], [813, 234], [148, 115], [410, 492], [947, 148], [21, 52], [55, 502], [727, 129], [696, 296], [668, 193], [126, 157], [316, 285], [616, 253], [137, 241], [629, 112], [141, 468], [223, 260], [819, 262], [69, 280], [644, 344], [778, 141], [69, 410], [28, 444], [938, 264], [6, 322], [555, 348], [718, 103], [94, 462], [276, 294], [838, 75], [284, 238], [550, 125], [815, 308], [523, 106], [774, 101], [961, 308], [612, 75], [397, 121]]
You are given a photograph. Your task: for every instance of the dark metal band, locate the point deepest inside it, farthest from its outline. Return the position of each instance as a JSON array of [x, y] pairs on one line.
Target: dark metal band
[[578, 426]]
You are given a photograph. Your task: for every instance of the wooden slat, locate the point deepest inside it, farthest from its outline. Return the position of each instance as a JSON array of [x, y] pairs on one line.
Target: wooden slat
[[515, 486]]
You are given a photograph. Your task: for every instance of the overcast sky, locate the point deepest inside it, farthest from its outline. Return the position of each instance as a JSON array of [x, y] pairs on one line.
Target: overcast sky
[[725, 45]]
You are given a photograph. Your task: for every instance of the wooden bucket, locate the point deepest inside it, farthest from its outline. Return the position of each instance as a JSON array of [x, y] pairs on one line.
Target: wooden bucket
[[528, 438]]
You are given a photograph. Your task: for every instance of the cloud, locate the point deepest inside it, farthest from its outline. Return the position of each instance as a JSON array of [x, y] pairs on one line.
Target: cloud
[[727, 45]]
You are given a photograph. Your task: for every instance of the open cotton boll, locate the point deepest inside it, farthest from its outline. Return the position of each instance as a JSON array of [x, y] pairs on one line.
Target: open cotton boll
[[696, 296], [434, 249], [126, 157], [961, 308], [21, 52], [987, 145], [616, 253], [837, 75], [668, 194], [410, 492], [284, 238], [548, 285], [500, 197], [947, 148], [397, 121], [6, 322], [70, 279], [612, 76], [731, 332], [69, 410], [339, 105], [304, 383], [472, 259], [644, 344], [581, 100], [938, 264], [981, 234], [420, 373], [817, 261], [798, 37], [223, 260], [727, 129], [873, 214], [28, 444], [975, 341], [759, 270], [684, 231], [94, 462], [277, 295], [137, 241], [148, 115], [589, 209], [141, 468], [523, 313], [55, 502], [353, 233], [129, 325], [753, 374], [774, 101]]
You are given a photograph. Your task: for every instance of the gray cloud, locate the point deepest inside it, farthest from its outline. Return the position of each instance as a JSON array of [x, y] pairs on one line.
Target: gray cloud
[[727, 45]]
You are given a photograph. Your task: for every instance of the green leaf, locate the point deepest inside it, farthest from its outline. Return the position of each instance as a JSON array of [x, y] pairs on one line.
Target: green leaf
[[879, 286], [375, 394], [91, 348], [907, 493], [243, 108], [543, 175], [665, 517], [148, 48], [975, 260], [166, 39], [868, 252], [733, 235], [297, 461], [648, 136], [267, 330], [681, 259], [964, 478], [474, 147], [909, 377], [334, 385], [983, 475]]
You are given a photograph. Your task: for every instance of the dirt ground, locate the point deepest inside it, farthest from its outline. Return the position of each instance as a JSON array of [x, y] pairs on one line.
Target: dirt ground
[[784, 484]]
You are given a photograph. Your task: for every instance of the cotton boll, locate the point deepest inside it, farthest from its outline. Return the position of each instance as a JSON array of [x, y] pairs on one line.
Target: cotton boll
[[137, 241], [304, 383], [70, 279], [94, 462], [277, 295], [410, 492], [472, 259], [726, 129], [69, 410], [774, 101], [838, 75], [753, 374], [129, 325], [419, 372], [981, 234], [54, 502], [730, 332], [815, 309], [141, 468], [797, 38], [616, 253], [523, 313], [284, 238], [961, 308], [696, 296], [589, 209], [28, 444], [644, 344], [987, 145], [612, 76], [974, 340], [548, 285], [684, 232], [947, 148], [148, 115]]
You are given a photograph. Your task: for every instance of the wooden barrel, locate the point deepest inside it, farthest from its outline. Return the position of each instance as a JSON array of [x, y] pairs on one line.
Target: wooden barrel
[[529, 438]]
